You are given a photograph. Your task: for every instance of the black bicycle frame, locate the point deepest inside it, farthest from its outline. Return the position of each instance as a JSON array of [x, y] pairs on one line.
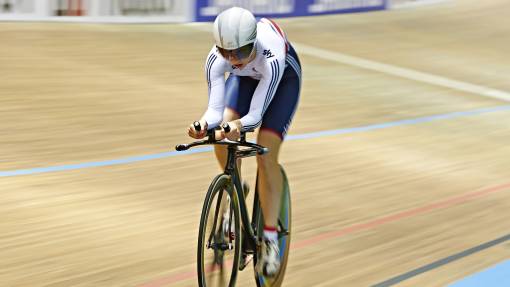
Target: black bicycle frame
[[231, 170]]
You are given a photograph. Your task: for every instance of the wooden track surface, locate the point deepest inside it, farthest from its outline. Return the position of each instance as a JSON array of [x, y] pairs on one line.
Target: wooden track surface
[[368, 206]]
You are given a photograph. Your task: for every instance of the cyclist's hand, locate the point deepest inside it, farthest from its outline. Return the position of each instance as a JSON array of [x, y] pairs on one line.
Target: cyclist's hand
[[235, 130], [198, 134]]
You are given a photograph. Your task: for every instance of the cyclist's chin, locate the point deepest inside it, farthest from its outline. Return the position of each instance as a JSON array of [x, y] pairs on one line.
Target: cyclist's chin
[[239, 64]]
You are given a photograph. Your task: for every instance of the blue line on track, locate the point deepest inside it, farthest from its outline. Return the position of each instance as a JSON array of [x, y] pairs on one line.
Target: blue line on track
[[495, 276], [313, 135]]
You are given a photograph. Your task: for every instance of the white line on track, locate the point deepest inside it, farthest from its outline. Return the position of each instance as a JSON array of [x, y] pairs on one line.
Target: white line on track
[[386, 69], [401, 72]]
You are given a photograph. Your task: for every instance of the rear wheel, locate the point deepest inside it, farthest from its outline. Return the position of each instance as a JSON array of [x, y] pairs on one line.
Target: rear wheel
[[284, 231], [219, 236]]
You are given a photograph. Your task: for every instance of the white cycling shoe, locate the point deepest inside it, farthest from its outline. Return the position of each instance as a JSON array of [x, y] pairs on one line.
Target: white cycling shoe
[[269, 263]]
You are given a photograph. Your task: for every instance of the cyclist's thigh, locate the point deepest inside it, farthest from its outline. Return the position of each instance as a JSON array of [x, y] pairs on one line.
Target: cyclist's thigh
[[280, 112], [238, 93]]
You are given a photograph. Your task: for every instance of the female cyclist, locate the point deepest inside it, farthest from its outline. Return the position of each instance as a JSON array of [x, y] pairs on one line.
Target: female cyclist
[[262, 89]]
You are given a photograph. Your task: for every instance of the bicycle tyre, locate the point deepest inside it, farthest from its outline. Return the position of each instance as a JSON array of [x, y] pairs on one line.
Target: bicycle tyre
[[220, 187], [283, 241]]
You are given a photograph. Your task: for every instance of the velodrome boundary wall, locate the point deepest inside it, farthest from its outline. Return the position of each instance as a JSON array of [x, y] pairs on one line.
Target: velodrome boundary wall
[[181, 11]]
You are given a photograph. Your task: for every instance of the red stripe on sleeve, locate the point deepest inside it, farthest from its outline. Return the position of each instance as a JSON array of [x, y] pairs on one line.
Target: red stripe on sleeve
[[273, 23]]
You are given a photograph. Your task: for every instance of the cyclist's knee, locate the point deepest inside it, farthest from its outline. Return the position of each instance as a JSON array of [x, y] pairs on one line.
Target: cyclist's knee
[[220, 148], [221, 154], [273, 142], [266, 162]]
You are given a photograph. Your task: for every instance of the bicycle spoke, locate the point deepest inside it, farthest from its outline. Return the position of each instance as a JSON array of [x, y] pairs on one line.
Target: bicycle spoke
[[215, 218]]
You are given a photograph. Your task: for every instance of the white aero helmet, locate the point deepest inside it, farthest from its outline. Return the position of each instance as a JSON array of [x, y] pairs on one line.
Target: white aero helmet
[[235, 28]]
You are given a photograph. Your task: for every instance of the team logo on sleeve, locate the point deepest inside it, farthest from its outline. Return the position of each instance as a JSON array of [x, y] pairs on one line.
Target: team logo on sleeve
[[268, 54]]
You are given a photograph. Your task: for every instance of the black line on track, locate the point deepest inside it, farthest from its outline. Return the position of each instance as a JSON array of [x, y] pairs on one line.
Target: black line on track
[[441, 262]]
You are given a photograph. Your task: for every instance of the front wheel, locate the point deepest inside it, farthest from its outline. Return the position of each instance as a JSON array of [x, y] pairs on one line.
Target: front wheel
[[284, 231], [219, 236]]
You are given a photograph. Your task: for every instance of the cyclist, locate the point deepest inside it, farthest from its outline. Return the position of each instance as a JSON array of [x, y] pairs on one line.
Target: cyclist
[[262, 89]]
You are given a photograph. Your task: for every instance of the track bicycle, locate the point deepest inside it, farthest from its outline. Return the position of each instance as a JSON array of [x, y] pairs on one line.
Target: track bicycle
[[228, 238]]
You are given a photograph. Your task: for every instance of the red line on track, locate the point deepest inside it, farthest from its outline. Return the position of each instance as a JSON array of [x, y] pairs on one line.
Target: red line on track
[[449, 202]]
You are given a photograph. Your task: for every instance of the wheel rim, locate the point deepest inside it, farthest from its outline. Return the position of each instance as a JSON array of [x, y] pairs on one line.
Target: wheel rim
[[284, 219], [218, 240]]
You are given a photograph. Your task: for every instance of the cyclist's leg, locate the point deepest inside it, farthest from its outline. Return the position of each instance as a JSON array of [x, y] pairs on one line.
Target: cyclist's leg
[[238, 94], [274, 127], [275, 124], [269, 177]]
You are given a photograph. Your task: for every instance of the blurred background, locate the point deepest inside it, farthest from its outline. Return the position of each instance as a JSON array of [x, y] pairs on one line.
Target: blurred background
[[397, 156]]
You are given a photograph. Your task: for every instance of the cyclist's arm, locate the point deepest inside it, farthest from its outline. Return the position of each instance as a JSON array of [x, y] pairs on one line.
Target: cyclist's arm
[[264, 92], [215, 68]]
